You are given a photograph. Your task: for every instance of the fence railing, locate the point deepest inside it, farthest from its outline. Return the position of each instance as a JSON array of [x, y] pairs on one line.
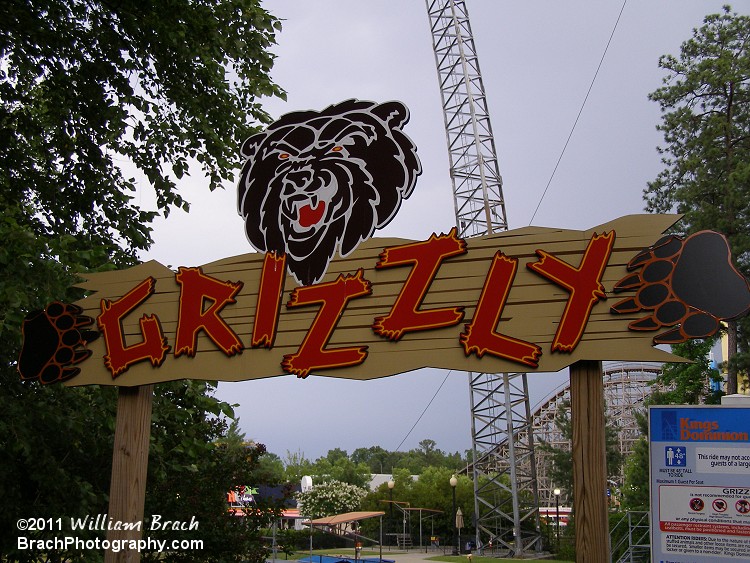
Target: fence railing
[[630, 539]]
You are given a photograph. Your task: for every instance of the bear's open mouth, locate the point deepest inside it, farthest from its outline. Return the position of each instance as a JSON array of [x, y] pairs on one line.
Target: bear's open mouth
[[309, 215]]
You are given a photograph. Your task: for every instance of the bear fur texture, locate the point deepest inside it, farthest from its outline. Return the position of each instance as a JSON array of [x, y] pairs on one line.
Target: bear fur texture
[[317, 183]]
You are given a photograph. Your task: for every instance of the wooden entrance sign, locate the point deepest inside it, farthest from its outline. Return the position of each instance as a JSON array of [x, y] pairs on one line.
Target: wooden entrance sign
[[322, 297], [533, 300]]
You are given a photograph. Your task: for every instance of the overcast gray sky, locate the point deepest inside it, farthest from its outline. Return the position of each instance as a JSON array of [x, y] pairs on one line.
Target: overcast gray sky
[[537, 61]]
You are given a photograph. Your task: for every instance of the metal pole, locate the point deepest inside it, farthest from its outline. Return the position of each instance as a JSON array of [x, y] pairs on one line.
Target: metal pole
[[403, 533], [390, 517], [381, 539], [455, 529], [557, 519], [273, 541], [420, 529], [458, 541]]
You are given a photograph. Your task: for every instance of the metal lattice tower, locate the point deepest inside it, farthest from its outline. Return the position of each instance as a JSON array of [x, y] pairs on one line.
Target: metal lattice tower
[[505, 494], [477, 184]]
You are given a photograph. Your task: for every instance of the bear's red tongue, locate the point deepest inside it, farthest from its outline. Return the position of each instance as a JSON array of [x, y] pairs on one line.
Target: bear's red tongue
[[309, 215]]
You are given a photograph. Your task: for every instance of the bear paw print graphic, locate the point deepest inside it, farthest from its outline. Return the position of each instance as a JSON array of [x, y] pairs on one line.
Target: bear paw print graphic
[[54, 341], [688, 284]]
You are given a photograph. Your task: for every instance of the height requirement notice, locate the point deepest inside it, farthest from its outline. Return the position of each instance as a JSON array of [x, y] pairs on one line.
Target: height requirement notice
[[700, 483]]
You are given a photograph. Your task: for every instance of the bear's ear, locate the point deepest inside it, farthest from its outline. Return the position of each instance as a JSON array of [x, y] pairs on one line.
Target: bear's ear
[[250, 146], [395, 114]]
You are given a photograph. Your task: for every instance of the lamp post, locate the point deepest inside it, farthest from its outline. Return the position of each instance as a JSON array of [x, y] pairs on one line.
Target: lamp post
[[557, 492], [454, 482], [391, 484]]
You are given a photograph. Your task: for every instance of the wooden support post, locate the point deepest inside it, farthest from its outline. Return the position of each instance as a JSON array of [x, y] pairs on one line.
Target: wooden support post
[[127, 490], [589, 462]]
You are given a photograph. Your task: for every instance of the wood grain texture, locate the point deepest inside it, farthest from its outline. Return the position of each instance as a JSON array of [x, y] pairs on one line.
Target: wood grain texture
[[589, 462], [127, 491], [532, 312]]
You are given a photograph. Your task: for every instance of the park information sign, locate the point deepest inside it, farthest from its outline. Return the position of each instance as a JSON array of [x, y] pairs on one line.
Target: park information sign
[[700, 483], [321, 296]]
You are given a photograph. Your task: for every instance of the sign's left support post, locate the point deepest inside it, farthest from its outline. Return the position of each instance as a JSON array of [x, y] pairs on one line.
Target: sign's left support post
[[127, 491]]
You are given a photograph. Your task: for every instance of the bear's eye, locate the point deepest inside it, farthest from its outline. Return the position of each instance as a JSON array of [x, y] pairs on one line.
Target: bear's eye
[[337, 148], [284, 155]]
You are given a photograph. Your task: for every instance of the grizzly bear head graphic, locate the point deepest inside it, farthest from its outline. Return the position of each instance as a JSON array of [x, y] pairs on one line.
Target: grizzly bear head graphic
[[317, 183]]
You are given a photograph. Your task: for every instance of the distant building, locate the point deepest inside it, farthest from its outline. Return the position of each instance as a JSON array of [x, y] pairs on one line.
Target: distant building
[[245, 497]]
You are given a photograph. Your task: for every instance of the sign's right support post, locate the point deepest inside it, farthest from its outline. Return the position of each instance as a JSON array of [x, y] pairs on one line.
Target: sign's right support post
[[589, 462]]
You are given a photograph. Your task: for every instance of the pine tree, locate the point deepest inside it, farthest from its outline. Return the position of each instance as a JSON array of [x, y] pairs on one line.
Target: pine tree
[[705, 104]]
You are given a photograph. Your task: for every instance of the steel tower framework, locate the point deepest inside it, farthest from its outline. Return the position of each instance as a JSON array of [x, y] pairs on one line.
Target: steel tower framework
[[504, 471]]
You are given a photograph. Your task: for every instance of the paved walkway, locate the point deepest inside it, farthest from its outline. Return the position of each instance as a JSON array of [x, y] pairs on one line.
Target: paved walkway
[[419, 556], [400, 556], [412, 556]]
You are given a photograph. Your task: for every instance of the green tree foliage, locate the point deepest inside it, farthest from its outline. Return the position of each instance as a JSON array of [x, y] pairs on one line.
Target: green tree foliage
[[562, 457], [296, 466], [193, 464], [356, 468], [705, 104], [88, 85], [688, 383], [377, 458], [55, 460], [337, 466], [100, 101], [94, 95], [416, 460], [635, 490], [61, 466], [270, 470], [561, 471], [613, 454]]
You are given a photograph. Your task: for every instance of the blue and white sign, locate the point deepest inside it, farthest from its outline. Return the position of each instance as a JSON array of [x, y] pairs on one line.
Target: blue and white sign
[[674, 456], [700, 483]]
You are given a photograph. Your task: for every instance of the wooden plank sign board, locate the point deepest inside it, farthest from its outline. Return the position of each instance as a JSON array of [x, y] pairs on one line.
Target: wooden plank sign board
[[431, 300]]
